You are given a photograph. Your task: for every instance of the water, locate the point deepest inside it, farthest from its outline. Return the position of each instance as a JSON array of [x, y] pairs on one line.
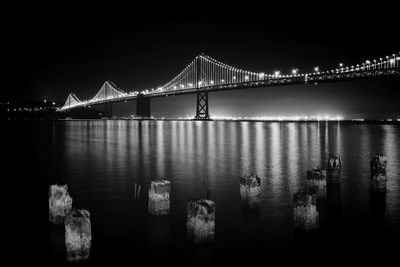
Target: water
[[101, 160]]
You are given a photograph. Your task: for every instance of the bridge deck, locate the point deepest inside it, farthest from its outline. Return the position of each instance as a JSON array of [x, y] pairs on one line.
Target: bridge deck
[[270, 82]]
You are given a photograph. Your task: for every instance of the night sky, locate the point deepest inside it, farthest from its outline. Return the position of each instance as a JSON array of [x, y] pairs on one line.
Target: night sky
[[53, 50]]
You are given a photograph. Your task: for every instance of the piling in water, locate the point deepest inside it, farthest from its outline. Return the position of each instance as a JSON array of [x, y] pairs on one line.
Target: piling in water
[[334, 169], [250, 191], [200, 222], [159, 197], [306, 216], [378, 173], [316, 180], [60, 203], [78, 235]]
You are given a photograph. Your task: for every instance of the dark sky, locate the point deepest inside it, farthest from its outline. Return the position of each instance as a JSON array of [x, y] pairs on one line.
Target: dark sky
[[53, 50]]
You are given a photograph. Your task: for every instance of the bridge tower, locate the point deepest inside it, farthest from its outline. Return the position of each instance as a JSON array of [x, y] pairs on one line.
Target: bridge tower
[[143, 107], [108, 109], [202, 96]]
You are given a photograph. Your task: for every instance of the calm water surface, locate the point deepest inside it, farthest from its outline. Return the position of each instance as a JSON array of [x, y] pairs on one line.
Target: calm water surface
[[101, 160]]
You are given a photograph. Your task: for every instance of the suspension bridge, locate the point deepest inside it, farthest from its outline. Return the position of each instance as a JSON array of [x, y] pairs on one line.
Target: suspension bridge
[[205, 74]]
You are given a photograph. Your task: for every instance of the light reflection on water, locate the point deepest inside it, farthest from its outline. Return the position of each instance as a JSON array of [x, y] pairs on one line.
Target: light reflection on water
[[101, 160]]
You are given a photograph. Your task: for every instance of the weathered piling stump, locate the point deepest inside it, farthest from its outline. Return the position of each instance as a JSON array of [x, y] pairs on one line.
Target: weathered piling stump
[[334, 170], [316, 180], [60, 203], [378, 173], [159, 197], [306, 216], [250, 191], [78, 235], [200, 222]]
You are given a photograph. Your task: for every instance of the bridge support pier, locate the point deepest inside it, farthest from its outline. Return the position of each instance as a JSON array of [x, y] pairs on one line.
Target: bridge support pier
[[143, 107], [108, 109], [202, 106]]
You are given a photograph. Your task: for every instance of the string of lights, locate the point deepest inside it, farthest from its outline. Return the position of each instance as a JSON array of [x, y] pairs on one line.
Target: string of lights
[[205, 72]]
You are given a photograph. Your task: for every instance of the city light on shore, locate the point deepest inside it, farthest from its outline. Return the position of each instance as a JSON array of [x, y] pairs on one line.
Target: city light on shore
[[283, 118], [264, 118]]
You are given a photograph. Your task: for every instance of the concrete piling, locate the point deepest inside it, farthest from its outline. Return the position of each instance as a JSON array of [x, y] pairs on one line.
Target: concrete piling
[[78, 235], [316, 180], [334, 169], [159, 197], [306, 216], [60, 203], [200, 220], [378, 173], [250, 191]]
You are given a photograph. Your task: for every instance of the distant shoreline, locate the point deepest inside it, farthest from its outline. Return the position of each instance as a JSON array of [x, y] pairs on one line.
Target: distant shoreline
[[395, 122]]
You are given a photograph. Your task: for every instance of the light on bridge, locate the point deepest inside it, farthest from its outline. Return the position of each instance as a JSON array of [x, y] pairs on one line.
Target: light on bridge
[[381, 63]]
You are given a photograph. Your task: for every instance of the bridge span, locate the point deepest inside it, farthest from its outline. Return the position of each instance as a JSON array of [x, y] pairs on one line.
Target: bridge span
[[205, 74]]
